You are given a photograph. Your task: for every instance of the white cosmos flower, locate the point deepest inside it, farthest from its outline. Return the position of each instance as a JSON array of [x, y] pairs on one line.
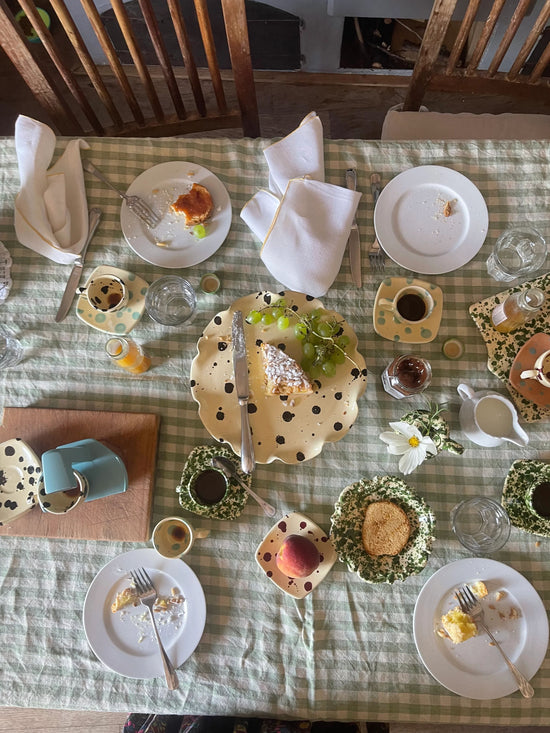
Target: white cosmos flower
[[408, 442]]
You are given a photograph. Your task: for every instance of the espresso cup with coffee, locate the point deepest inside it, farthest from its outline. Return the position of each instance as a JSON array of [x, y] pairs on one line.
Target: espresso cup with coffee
[[174, 536], [537, 498], [411, 304], [208, 486], [107, 293]]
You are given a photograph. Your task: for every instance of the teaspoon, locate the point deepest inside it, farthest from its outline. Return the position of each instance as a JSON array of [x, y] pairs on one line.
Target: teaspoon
[[224, 464]]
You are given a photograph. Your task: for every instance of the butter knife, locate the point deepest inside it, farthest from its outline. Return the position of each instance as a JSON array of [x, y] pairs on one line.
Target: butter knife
[[76, 272], [240, 367], [354, 245]]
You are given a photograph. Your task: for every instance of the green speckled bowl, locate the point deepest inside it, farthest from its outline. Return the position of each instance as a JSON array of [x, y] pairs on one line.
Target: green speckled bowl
[[234, 501], [522, 477], [347, 524]]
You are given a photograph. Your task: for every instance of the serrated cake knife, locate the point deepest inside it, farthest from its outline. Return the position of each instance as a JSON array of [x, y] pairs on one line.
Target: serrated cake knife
[[240, 367]]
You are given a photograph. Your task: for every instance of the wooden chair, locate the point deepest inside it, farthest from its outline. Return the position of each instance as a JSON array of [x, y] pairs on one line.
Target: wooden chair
[[478, 74], [148, 81]]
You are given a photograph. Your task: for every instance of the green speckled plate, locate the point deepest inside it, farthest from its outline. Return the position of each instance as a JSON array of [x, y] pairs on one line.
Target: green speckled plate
[[347, 524], [521, 477], [123, 320], [234, 501], [502, 348], [394, 329]]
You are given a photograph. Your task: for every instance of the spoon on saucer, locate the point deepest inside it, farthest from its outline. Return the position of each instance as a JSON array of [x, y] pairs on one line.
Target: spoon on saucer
[[224, 465]]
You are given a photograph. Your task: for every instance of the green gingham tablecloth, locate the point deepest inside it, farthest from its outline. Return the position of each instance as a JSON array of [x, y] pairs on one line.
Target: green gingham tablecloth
[[356, 658]]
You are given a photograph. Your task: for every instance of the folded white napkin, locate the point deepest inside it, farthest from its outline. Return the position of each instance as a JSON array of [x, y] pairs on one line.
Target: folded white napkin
[[51, 210], [303, 222]]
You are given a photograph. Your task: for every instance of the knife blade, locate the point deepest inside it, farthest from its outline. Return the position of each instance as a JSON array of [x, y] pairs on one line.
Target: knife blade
[[240, 368], [354, 244], [76, 272]]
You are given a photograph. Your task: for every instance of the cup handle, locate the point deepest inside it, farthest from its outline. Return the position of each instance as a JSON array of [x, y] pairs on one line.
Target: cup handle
[[465, 392], [529, 374], [385, 303], [201, 533]]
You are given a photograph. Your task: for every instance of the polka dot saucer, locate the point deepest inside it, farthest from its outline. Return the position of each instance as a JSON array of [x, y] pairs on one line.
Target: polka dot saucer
[[20, 471], [387, 326], [123, 320], [295, 523]]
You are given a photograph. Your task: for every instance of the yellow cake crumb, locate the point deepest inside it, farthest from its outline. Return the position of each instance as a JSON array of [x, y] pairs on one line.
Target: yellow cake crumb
[[479, 589], [499, 595], [458, 625]]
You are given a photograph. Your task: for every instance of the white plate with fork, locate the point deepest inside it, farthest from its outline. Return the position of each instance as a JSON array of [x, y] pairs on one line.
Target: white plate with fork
[[171, 244], [431, 219], [514, 612], [124, 640]]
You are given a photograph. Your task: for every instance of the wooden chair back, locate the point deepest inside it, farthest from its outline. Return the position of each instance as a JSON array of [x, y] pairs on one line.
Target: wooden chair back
[[524, 77], [132, 92]]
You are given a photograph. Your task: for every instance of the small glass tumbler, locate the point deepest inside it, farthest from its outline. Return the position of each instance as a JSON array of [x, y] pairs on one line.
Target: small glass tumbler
[[481, 525], [11, 350], [171, 301], [518, 252], [406, 375]]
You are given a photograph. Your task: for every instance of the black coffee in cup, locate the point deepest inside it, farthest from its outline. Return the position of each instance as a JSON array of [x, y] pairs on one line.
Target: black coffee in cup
[[411, 307], [540, 499], [209, 487]]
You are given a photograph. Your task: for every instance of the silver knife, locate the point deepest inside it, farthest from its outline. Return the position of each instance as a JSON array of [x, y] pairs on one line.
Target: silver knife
[[76, 272], [354, 245], [240, 367]]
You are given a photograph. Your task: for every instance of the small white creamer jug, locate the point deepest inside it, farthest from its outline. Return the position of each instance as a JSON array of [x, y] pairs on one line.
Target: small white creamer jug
[[489, 419]]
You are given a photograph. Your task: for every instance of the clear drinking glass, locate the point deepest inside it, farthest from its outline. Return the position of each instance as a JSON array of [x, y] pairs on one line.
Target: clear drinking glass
[[171, 301], [518, 252], [11, 351], [481, 525]]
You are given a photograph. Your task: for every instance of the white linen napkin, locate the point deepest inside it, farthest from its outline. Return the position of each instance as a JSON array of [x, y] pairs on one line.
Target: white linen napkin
[[51, 210], [303, 222]]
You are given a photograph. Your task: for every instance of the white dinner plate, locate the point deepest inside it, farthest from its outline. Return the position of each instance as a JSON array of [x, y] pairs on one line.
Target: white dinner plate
[[124, 641], [411, 225], [475, 668], [160, 186]]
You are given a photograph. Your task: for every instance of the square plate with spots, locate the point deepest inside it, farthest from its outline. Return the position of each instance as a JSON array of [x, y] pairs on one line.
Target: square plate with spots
[[299, 524], [290, 428], [20, 471]]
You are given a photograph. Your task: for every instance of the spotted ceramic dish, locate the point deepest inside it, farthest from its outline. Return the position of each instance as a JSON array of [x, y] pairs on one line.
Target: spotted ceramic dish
[[20, 472], [121, 321], [347, 525], [502, 348], [394, 329], [295, 523], [522, 476], [292, 429], [234, 501]]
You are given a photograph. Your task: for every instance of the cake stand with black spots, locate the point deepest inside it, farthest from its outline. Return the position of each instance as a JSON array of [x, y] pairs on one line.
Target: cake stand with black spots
[[20, 471], [290, 428]]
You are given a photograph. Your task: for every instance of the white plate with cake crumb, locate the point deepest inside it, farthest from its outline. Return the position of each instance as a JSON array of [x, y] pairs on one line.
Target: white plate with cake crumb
[[171, 244], [124, 640], [514, 612], [431, 219]]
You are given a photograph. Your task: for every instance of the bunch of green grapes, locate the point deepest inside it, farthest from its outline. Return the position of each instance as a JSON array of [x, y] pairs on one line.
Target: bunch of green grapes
[[321, 335]]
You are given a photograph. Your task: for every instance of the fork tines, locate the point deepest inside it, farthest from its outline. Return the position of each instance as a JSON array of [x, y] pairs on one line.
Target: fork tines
[[142, 580], [143, 211], [466, 599]]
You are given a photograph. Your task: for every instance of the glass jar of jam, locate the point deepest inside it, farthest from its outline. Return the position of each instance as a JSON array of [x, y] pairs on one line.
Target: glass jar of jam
[[406, 376]]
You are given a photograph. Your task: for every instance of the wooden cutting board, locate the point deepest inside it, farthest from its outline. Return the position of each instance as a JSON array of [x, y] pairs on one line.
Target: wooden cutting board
[[132, 436]]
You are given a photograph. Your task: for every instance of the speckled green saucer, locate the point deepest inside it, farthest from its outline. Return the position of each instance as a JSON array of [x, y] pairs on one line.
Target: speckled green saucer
[[234, 501], [522, 475], [347, 524], [502, 348]]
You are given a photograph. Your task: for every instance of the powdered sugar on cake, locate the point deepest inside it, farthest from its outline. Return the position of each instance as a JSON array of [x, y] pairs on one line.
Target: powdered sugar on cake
[[283, 375]]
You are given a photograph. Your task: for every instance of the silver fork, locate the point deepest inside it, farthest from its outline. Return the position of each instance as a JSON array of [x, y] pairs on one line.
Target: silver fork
[[471, 605], [135, 203], [377, 256], [148, 595]]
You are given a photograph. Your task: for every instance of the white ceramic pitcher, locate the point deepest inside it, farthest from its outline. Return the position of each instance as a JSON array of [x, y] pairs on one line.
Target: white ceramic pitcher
[[489, 419]]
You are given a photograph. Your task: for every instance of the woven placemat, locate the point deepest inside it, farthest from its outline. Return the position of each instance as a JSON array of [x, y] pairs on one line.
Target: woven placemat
[[502, 348]]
